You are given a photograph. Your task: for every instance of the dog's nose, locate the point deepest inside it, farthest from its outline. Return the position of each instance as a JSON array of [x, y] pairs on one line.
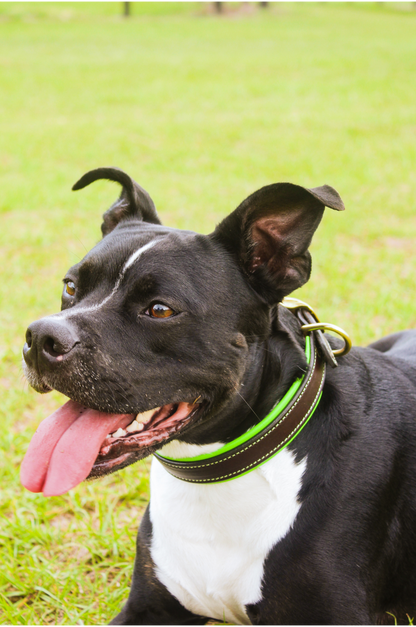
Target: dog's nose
[[47, 341]]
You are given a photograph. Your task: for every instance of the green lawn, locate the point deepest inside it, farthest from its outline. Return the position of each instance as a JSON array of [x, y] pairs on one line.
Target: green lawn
[[202, 110]]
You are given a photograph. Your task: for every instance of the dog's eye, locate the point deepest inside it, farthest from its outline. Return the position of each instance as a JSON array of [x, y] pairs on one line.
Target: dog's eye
[[70, 288], [160, 311]]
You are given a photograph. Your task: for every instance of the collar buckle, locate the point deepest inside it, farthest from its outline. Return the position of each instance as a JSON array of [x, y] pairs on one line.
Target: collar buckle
[[311, 324]]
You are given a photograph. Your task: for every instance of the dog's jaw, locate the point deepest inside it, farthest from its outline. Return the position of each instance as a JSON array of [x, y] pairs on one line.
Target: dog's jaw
[[162, 425]]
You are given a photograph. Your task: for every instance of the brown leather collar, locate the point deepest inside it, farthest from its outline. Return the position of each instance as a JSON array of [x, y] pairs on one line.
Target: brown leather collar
[[265, 444]]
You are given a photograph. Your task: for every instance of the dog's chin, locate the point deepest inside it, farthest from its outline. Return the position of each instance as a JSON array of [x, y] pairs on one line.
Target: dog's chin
[[104, 467]]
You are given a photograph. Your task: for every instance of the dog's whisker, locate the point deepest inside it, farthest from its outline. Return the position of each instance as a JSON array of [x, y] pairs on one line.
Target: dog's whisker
[[248, 405]]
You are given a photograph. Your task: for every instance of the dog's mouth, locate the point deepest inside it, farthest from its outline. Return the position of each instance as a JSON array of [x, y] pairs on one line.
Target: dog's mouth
[[141, 436], [77, 443]]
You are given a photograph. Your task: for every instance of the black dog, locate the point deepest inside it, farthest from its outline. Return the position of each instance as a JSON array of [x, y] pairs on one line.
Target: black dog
[[187, 332]]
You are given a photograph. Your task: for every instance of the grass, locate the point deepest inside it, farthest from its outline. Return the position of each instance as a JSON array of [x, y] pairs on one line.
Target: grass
[[202, 110], [409, 618]]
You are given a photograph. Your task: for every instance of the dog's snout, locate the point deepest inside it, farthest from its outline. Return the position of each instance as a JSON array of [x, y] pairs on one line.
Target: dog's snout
[[47, 341]]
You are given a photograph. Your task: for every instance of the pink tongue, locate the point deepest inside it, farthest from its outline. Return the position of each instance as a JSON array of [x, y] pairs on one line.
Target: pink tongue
[[65, 447]]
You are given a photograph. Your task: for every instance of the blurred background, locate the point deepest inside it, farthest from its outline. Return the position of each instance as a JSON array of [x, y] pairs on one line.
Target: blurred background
[[202, 104]]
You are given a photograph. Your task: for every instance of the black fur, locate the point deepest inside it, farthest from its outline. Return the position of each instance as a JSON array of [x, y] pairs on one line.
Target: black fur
[[351, 554]]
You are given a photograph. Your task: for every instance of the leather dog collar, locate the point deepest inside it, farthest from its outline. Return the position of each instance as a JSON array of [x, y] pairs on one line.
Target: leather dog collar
[[272, 434]]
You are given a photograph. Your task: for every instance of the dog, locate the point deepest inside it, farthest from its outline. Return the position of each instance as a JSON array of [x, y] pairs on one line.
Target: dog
[[180, 345]]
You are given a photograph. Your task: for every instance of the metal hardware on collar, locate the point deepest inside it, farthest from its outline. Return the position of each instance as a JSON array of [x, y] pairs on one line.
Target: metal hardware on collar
[[310, 322], [294, 303], [325, 326], [264, 440], [305, 315]]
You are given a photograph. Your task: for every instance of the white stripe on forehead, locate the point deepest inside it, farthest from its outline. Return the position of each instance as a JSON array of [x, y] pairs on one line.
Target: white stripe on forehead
[[134, 257], [130, 261]]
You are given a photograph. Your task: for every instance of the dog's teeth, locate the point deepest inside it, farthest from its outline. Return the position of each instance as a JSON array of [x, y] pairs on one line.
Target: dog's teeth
[[135, 426], [132, 426], [146, 415], [119, 433]]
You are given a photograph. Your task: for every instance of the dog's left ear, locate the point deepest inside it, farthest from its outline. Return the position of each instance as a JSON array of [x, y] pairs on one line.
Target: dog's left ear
[[134, 201], [270, 233]]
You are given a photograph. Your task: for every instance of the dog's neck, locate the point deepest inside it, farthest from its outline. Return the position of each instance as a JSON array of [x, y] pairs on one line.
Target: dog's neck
[[274, 363]]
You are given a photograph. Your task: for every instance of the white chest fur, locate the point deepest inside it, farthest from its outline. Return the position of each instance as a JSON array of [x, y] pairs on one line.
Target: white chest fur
[[210, 541]]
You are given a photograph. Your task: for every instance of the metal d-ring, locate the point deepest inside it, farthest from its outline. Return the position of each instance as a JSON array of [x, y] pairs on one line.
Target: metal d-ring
[[325, 326], [295, 303]]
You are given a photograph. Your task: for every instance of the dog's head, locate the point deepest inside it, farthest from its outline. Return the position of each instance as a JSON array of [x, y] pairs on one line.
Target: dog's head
[[161, 329]]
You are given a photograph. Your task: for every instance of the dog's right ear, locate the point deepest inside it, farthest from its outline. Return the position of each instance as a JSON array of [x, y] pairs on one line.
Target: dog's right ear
[[134, 201], [270, 232]]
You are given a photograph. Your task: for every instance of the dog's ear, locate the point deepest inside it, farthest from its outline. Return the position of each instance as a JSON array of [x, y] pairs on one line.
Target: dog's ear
[[270, 232], [134, 201]]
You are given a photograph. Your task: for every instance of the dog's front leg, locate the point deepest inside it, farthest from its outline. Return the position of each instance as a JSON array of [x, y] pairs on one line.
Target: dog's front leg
[[149, 602]]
